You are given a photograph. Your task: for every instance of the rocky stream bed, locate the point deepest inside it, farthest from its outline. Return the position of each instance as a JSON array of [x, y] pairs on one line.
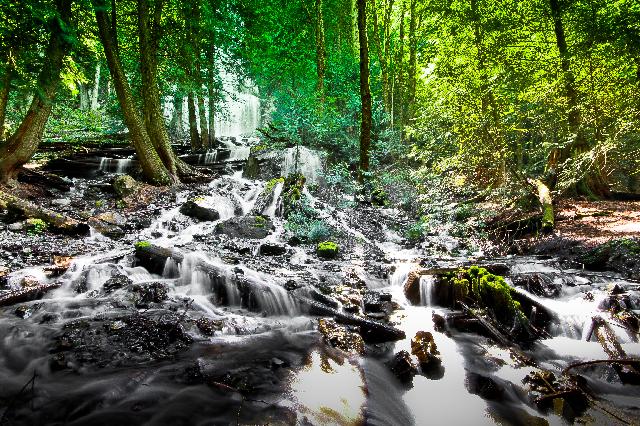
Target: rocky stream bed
[[194, 305]]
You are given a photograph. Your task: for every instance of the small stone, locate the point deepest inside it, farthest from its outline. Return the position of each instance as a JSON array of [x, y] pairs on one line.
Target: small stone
[[402, 367], [270, 249], [339, 337], [16, 226], [61, 202]]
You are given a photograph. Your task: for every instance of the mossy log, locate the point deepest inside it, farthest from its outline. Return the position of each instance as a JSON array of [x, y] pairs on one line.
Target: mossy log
[[26, 294], [546, 203], [33, 211], [154, 258], [628, 373]]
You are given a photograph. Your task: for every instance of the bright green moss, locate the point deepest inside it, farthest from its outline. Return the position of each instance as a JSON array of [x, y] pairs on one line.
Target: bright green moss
[[478, 286], [36, 226], [327, 249], [272, 184], [142, 244]]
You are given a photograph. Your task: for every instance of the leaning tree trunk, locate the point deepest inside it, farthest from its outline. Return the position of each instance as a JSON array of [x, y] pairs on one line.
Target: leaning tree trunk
[[413, 62], [95, 91], [151, 163], [21, 146], [365, 91], [148, 34]]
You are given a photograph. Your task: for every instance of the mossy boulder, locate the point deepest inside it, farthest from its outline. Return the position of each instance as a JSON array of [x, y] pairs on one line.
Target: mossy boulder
[[124, 185], [327, 249], [621, 255], [251, 168]]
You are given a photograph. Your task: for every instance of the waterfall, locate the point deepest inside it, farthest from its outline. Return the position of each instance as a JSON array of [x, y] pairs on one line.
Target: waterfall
[[426, 289], [272, 208], [302, 160], [115, 165]]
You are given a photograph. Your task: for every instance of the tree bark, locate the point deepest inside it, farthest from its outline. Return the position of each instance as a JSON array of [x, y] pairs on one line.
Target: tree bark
[[149, 38], [321, 51], [211, 94], [21, 146], [398, 91], [5, 88], [151, 163], [413, 65], [194, 136], [383, 52], [594, 183], [96, 89], [365, 91], [176, 121]]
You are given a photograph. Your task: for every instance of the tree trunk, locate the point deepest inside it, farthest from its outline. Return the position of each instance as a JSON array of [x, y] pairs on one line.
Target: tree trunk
[[398, 79], [365, 91], [21, 146], [594, 183], [96, 89], [211, 94], [178, 112], [413, 65], [194, 136], [148, 34], [321, 51], [5, 88], [151, 163], [204, 128], [383, 54], [84, 96]]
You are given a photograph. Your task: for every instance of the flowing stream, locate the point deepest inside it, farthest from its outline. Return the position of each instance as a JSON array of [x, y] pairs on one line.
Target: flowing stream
[[267, 345]]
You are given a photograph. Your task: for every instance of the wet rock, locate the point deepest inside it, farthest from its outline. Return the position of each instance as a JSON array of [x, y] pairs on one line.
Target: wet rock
[[372, 301], [24, 311], [149, 293], [251, 168], [207, 326], [250, 227], [116, 282], [124, 185], [61, 202], [121, 341], [340, 337], [270, 249], [16, 226], [412, 288], [484, 386], [425, 349], [402, 367], [439, 322], [203, 214]]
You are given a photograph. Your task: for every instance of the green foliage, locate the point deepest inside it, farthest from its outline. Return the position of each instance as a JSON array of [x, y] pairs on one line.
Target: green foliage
[[327, 249], [36, 226], [306, 227]]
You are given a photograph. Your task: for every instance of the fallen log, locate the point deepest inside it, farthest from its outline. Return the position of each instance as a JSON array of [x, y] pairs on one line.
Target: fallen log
[[371, 331], [31, 210], [154, 259], [26, 294], [47, 180], [612, 347]]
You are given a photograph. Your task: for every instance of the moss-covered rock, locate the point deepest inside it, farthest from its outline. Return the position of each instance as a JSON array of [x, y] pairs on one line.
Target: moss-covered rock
[[327, 249], [621, 255], [487, 291], [124, 185]]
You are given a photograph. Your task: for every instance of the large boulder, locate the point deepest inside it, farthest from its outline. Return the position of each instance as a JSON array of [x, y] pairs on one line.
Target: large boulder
[[250, 227], [124, 185], [203, 214]]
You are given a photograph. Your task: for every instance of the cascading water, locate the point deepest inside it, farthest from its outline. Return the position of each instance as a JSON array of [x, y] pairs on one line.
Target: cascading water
[[272, 208], [115, 165], [302, 160]]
